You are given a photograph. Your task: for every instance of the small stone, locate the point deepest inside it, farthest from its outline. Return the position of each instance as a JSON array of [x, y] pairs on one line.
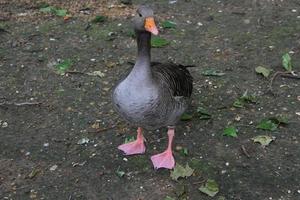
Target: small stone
[[291, 52], [4, 124], [227, 164], [52, 39], [27, 153], [247, 21], [93, 59], [294, 10], [46, 145], [53, 168], [125, 159], [199, 24]]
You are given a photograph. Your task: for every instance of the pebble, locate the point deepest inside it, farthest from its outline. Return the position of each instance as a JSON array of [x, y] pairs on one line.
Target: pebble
[[4, 124], [247, 21], [125, 159], [46, 145], [53, 168], [199, 24], [93, 59], [227, 164], [294, 10]]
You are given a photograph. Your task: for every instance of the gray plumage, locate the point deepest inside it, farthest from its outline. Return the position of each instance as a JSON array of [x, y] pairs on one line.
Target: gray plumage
[[153, 95]]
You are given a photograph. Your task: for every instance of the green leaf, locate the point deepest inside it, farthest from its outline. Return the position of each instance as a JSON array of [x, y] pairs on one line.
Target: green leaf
[[267, 124], [280, 119], [262, 70], [184, 151], [60, 12], [210, 188], [157, 42], [180, 171], [168, 198], [242, 100], [212, 72], [203, 113], [54, 10], [64, 66], [230, 131], [287, 62], [264, 140], [99, 19], [120, 173], [168, 24], [248, 97], [129, 139], [186, 117], [47, 9], [238, 103]]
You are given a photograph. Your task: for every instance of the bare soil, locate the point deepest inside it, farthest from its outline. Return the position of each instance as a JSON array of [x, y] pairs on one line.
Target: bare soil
[[44, 115]]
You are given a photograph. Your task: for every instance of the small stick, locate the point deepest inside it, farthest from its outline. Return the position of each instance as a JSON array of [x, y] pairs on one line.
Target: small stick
[[199, 182], [20, 104], [245, 151]]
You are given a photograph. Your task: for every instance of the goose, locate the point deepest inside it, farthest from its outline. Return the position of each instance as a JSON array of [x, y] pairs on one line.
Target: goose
[[152, 95]]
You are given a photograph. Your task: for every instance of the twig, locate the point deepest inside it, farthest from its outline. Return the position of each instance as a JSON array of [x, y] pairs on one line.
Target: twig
[[75, 72], [20, 104], [245, 151], [199, 182], [105, 129], [284, 74]]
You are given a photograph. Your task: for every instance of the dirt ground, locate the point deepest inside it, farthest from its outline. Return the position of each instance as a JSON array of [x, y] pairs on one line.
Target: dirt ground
[[59, 133]]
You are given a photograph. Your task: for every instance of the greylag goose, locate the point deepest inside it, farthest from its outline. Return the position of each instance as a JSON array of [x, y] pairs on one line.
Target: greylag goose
[[153, 95]]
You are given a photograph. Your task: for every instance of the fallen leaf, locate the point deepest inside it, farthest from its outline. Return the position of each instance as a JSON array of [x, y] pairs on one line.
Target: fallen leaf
[[168, 24], [63, 66], [267, 124], [264, 140], [245, 98], [287, 62], [280, 119], [203, 113], [186, 117], [262, 70], [168, 198], [129, 139], [157, 42], [54, 10], [180, 171], [99, 19], [120, 173], [212, 72], [210, 188], [230, 131]]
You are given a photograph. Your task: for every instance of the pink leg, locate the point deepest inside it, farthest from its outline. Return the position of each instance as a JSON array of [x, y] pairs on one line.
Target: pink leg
[[165, 159], [135, 147]]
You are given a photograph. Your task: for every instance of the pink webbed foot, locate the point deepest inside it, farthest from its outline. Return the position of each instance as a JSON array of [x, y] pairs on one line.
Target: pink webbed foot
[[163, 160], [131, 148], [135, 147]]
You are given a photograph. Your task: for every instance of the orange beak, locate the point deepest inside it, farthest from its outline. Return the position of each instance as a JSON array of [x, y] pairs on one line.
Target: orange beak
[[150, 25]]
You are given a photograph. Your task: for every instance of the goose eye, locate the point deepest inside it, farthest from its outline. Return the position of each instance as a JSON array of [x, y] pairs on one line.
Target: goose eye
[[140, 15]]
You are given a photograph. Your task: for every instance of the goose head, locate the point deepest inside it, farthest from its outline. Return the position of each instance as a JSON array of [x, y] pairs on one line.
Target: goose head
[[144, 20]]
